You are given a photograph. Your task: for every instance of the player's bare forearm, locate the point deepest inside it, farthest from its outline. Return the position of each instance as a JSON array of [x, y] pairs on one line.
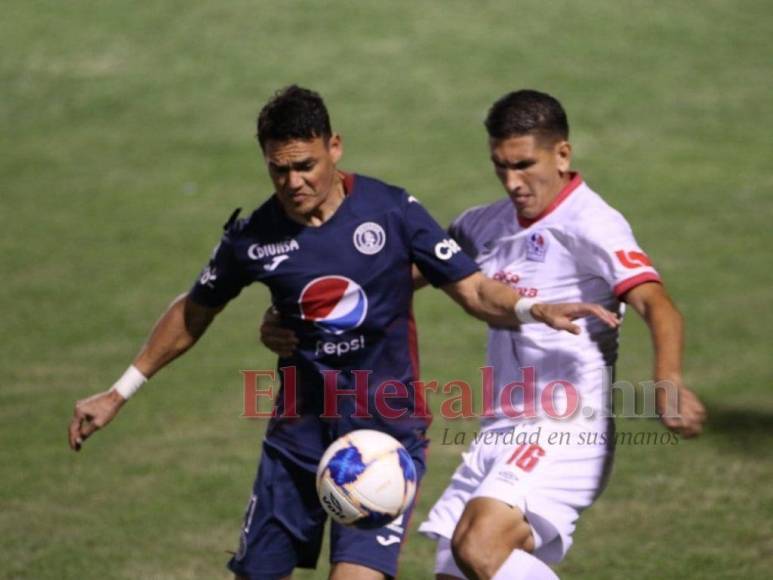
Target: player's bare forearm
[[485, 299], [494, 302], [679, 408], [178, 329]]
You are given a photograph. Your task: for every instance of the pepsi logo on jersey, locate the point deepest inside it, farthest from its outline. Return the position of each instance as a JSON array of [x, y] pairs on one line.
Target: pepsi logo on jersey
[[338, 347], [334, 303]]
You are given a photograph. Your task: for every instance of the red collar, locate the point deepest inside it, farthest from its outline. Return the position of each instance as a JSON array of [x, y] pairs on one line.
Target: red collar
[[348, 181], [573, 184]]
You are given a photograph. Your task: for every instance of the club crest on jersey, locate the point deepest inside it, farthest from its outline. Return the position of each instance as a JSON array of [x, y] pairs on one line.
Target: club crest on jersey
[[369, 238], [334, 303], [536, 247]]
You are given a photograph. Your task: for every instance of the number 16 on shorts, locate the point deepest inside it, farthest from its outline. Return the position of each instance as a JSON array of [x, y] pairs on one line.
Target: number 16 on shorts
[[526, 457]]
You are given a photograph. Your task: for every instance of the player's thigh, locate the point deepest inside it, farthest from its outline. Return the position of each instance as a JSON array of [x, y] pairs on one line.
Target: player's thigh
[[487, 533], [550, 487], [492, 528], [282, 527], [377, 549]]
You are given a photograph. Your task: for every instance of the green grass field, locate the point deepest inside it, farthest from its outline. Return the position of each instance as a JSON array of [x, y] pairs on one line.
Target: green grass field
[[127, 139]]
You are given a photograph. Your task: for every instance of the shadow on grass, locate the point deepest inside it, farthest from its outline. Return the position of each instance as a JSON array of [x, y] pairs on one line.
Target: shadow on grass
[[740, 428]]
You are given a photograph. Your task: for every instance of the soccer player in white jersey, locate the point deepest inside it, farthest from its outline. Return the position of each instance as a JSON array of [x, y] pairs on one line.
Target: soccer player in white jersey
[[511, 506], [513, 503]]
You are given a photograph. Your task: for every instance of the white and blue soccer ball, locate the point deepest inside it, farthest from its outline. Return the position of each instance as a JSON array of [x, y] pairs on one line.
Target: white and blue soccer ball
[[366, 479]]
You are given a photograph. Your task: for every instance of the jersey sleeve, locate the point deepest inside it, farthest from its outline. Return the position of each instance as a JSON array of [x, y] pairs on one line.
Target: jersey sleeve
[[222, 279], [608, 248], [437, 255], [458, 232]]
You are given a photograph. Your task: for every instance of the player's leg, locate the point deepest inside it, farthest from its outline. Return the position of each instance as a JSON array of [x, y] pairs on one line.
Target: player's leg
[[449, 507], [524, 512], [367, 554], [283, 522], [494, 540], [487, 532]]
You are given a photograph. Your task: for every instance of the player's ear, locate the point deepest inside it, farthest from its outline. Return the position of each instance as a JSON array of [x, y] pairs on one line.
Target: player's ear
[[563, 152], [335, 147]]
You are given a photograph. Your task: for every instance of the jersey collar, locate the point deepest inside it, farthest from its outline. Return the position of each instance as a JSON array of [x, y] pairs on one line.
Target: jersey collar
[[574, 183], [348, 181]]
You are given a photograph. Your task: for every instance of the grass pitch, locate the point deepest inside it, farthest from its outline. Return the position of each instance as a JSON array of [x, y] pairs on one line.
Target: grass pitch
[[127, 138]]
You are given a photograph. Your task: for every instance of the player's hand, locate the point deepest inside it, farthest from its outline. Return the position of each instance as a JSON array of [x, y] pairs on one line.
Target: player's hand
[[92, 414], [689, 416], [275, 337], [560, 316]]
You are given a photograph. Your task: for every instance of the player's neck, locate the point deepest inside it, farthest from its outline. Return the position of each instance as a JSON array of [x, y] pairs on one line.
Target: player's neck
[[557, 189]]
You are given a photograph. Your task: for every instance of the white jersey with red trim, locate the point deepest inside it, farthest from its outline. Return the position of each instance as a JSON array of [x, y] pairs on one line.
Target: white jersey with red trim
[[579, 250]]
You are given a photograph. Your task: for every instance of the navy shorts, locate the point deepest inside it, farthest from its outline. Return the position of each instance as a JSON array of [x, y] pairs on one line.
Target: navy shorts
[[284, 523]]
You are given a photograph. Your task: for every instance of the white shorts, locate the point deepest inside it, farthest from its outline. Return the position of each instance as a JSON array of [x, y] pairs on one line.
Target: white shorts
[[549, 470]]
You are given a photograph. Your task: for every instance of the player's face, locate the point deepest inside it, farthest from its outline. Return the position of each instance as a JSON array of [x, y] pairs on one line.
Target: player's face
[[304, 176], [532, 171]]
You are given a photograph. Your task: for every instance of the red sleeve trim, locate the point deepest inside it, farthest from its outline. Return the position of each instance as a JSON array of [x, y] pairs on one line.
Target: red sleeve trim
[[635, 281]]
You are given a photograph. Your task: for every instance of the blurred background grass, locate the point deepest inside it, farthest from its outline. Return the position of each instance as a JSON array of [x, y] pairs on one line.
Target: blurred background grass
[[127, 139]]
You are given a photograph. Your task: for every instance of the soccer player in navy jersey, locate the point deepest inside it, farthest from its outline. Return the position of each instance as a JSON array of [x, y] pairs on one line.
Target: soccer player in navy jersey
[[336, 251]]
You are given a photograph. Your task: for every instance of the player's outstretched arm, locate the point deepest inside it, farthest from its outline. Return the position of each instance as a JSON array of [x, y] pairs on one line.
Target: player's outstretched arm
[[666, 326], [176, 331], [495, 303]]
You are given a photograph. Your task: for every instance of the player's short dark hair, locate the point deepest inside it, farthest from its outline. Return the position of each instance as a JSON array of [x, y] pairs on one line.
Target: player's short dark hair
[[293, 113], [527, 112]]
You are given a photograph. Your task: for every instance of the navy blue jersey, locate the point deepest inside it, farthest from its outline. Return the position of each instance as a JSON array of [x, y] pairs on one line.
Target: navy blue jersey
[[345, 288]]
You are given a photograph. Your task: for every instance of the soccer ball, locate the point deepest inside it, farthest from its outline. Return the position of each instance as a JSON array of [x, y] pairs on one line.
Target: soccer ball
[[366, 479]]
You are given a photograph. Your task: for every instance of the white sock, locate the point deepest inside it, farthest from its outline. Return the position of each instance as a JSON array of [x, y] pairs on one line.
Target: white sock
[[521, 565]]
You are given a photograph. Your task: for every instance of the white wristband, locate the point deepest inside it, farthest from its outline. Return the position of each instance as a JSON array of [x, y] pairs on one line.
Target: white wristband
[[130, 382], [523, 310]]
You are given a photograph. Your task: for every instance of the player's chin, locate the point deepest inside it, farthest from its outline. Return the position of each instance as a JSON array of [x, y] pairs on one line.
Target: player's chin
[[298, 202]]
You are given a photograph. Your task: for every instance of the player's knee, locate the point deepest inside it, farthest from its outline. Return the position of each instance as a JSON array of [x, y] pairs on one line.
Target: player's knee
[[472, 555], [480, 546]]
